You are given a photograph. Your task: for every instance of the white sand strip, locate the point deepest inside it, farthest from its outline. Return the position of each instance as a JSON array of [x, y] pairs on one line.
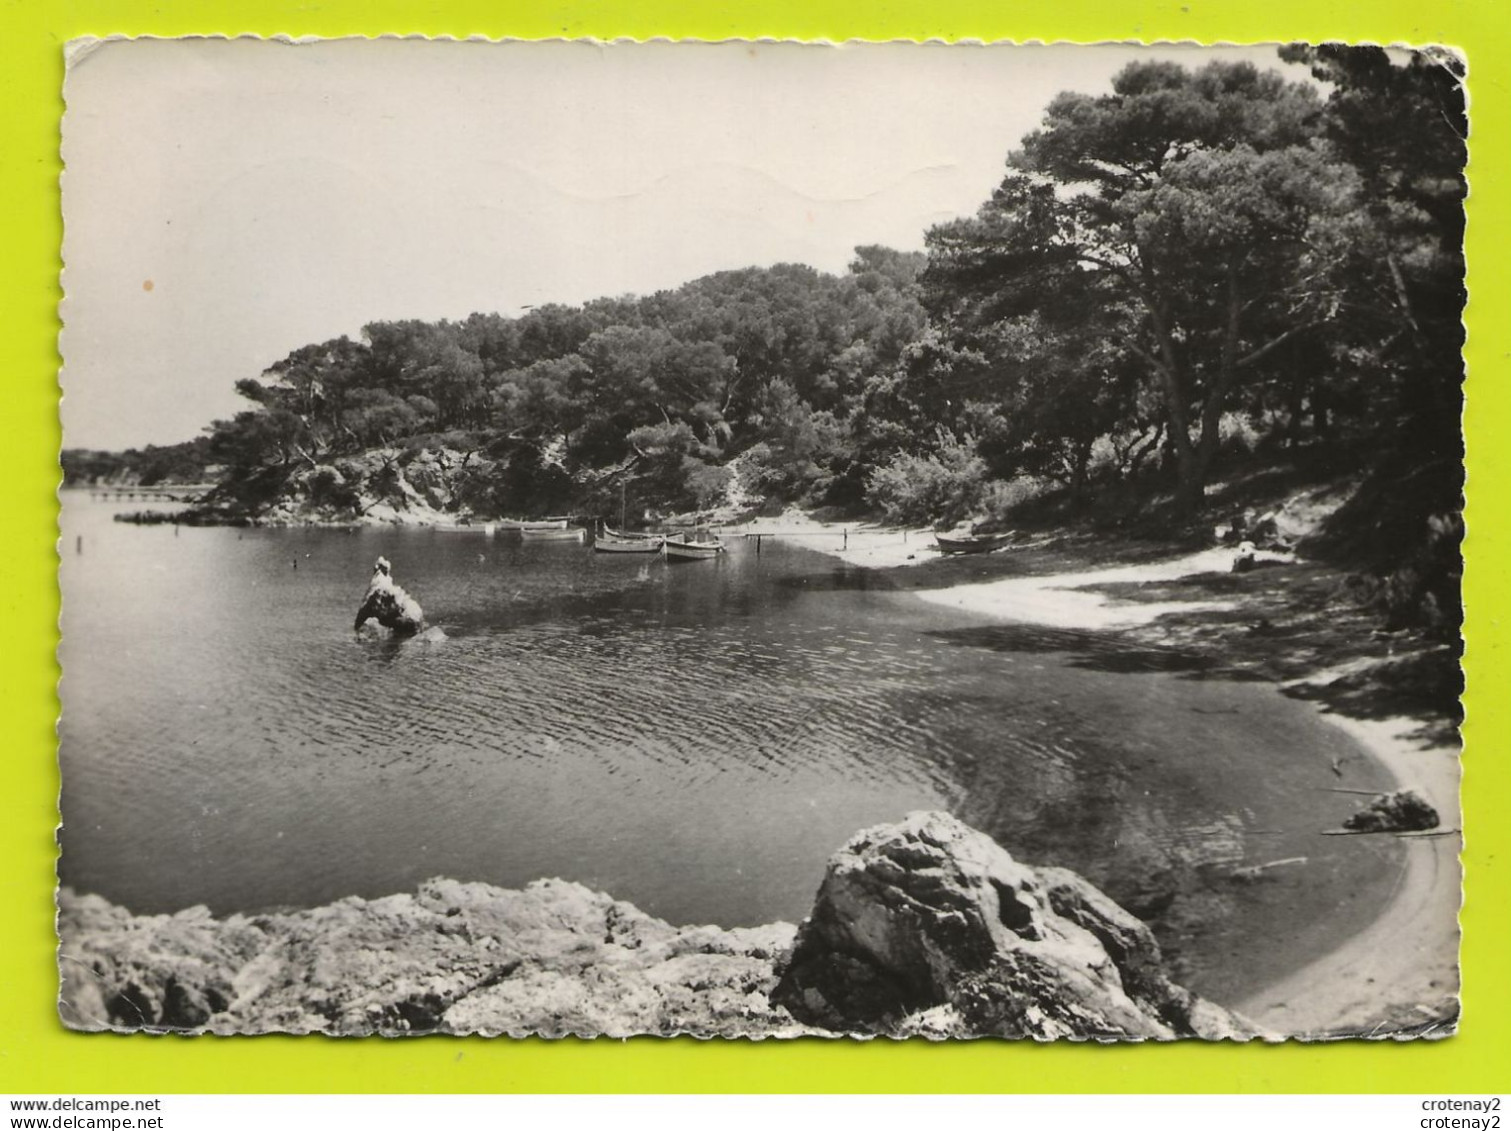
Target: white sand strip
[[1063, 601]]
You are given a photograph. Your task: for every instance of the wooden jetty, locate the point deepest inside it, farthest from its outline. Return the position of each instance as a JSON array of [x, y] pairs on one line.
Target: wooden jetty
[[165, 493]]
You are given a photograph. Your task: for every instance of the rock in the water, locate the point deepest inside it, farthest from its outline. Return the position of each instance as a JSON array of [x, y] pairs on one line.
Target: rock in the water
[[388, 604], [930, 927], [1404, 811]]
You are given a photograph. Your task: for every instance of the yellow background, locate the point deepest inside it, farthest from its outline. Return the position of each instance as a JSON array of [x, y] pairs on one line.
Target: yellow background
[[37, 1055]]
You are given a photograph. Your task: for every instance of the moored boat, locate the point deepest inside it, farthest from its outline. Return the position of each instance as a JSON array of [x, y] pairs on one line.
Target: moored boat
[[523, 524], [466, 527], [692, 547], [562, 533], [616, 542], [971, 543]]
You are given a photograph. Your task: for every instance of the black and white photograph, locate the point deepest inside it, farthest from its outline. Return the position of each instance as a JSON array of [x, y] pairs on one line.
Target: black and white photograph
[[761, 539]]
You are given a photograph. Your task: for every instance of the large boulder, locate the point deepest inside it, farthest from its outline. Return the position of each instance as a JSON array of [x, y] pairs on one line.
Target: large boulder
[[1403, 811], [928, 926]]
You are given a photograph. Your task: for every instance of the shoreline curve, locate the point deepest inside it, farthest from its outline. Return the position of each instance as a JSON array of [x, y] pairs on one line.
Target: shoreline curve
[[1400, 972]]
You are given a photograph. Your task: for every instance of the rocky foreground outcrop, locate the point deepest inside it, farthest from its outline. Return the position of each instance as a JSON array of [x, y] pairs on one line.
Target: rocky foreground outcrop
[[553, 959], [925, 927]]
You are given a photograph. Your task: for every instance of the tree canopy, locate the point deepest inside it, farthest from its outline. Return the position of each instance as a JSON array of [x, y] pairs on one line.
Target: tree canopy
[[1190, 223], [1194, 256]]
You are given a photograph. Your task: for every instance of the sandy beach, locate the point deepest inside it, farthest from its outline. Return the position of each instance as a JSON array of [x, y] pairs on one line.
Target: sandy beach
[[1396, 971], [1400, 972]]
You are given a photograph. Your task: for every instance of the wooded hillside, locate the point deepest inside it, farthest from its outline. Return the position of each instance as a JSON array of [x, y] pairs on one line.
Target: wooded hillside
[[1175, 280]]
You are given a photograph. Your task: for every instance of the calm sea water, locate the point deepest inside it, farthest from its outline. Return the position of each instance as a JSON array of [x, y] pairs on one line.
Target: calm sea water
[[694, 738]]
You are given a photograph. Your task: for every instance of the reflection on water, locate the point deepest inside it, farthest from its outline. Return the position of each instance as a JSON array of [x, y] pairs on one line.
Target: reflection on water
[[696, 739]]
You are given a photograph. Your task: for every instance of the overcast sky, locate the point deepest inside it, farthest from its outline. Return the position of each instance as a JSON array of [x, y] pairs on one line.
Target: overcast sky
[[228, 201]]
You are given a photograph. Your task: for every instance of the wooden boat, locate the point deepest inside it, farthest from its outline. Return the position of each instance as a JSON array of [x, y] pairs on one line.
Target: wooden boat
[[972, 543], [466, 528], [562, 533], [691, 548], [614, 542], [523, 524]]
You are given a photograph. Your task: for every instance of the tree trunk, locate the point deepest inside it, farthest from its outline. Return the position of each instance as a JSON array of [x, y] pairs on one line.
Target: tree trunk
[[1296, 408], [1216, 397], [1188, 493], [1137, 454], [1080, 462]]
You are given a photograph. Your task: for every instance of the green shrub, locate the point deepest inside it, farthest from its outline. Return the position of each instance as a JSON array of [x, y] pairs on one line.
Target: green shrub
[[327, 488], [941, 488], [708, 484]]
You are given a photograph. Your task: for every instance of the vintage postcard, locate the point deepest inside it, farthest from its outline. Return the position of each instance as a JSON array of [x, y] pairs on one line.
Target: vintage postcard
[[761, 539]]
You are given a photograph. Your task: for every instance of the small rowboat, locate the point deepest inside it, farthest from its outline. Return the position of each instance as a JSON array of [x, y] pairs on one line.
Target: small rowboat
[[613, 542], [691, 548], [971, 543], [467, 528], [562, 533]]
